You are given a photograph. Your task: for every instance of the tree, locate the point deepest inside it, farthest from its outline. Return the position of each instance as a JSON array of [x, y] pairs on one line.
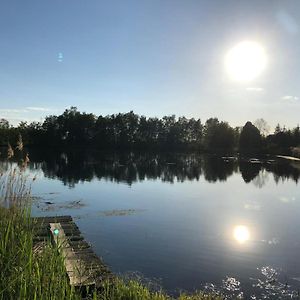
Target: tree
[[209, 132], [262, 126], [74, 127], [5, 132], [4, 124], [250, 139], [296, 136], [51, 131], [218, 136]]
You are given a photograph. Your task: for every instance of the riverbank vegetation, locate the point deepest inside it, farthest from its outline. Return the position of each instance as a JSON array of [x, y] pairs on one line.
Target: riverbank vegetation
[[131, 131]]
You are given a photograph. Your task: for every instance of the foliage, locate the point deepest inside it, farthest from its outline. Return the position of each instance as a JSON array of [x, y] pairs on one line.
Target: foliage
[[219, 136], [123, 130], [131, 131], [262, 126], [250, 139]]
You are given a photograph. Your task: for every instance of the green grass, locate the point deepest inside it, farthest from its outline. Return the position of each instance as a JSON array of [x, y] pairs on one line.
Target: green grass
[[37, 275], [25, 274], [134, 290]]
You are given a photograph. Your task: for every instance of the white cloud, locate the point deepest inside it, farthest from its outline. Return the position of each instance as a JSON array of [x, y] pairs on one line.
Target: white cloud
[[255, 89], [290, 98], [29, 114], [36, 108], [29, 109]]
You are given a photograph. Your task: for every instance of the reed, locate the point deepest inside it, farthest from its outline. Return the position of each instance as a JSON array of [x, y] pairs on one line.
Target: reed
[[25, 274]]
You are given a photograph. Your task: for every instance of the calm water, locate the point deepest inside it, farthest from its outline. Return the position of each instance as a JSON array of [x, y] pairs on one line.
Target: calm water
[[184, 221]]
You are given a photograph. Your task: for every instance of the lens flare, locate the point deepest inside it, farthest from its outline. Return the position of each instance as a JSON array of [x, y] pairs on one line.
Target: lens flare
[[56, 231]]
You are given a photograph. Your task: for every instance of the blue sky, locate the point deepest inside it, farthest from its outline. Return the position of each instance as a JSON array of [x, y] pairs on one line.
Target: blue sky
[[153, 57]]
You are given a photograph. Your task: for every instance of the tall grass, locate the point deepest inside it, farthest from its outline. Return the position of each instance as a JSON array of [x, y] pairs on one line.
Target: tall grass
[[24, 273], [29, 273], [134, 290]]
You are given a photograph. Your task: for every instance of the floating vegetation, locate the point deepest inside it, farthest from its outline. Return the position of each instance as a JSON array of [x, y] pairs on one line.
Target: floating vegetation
[[110, 213], [73, 205], [52, 206], [119, 212]]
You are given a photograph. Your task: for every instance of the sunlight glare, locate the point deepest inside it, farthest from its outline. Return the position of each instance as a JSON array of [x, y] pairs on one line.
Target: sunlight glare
[[241, 233], [245, 61]]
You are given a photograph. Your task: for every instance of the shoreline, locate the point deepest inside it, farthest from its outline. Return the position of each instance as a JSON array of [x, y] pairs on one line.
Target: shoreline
[[292, 158]]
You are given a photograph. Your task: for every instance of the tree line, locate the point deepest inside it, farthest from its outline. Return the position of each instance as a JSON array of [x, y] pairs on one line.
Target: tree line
[[130, 131]]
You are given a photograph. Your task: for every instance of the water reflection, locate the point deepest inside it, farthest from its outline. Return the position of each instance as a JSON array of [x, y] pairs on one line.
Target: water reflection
[[241, 233], [216, 168], [261, 179], [130, 167], [184, 234], [269, 283], [249, 170]]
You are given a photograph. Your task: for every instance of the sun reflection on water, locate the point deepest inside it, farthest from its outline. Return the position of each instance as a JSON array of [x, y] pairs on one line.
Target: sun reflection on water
[[241, 233]]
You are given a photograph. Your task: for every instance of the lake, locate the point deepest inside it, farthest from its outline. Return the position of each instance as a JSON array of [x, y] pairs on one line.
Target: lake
[[180, 221]]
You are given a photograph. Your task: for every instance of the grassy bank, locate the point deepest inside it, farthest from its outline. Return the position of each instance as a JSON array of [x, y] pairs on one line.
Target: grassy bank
[[27, 272]]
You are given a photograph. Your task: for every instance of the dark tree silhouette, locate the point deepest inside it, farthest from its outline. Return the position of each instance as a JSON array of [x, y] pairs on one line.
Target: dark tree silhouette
[[250, 139], [130, 131], [218, 136]]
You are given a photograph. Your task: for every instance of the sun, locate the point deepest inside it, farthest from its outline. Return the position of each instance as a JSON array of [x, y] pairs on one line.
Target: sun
[[245, 61]]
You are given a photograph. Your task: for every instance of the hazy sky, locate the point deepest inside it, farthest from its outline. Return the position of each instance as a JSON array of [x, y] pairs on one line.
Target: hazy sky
[[155, 57]]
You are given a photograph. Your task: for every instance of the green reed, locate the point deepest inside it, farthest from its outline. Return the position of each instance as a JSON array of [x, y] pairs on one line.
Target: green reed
[[24, 272]]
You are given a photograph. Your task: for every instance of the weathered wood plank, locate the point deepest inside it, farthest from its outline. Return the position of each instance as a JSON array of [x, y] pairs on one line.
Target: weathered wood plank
[[79, 245], [83, 266], [40, 239], [74, 265]]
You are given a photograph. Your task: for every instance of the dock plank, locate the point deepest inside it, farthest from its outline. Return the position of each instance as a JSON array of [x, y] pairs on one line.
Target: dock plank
[[83, 266]]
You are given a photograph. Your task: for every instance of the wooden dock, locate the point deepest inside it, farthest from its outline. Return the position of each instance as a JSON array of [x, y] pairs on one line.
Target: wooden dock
[[83, 266]]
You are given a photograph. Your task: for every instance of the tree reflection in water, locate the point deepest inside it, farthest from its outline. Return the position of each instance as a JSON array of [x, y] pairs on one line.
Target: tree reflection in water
[[72, 167]]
